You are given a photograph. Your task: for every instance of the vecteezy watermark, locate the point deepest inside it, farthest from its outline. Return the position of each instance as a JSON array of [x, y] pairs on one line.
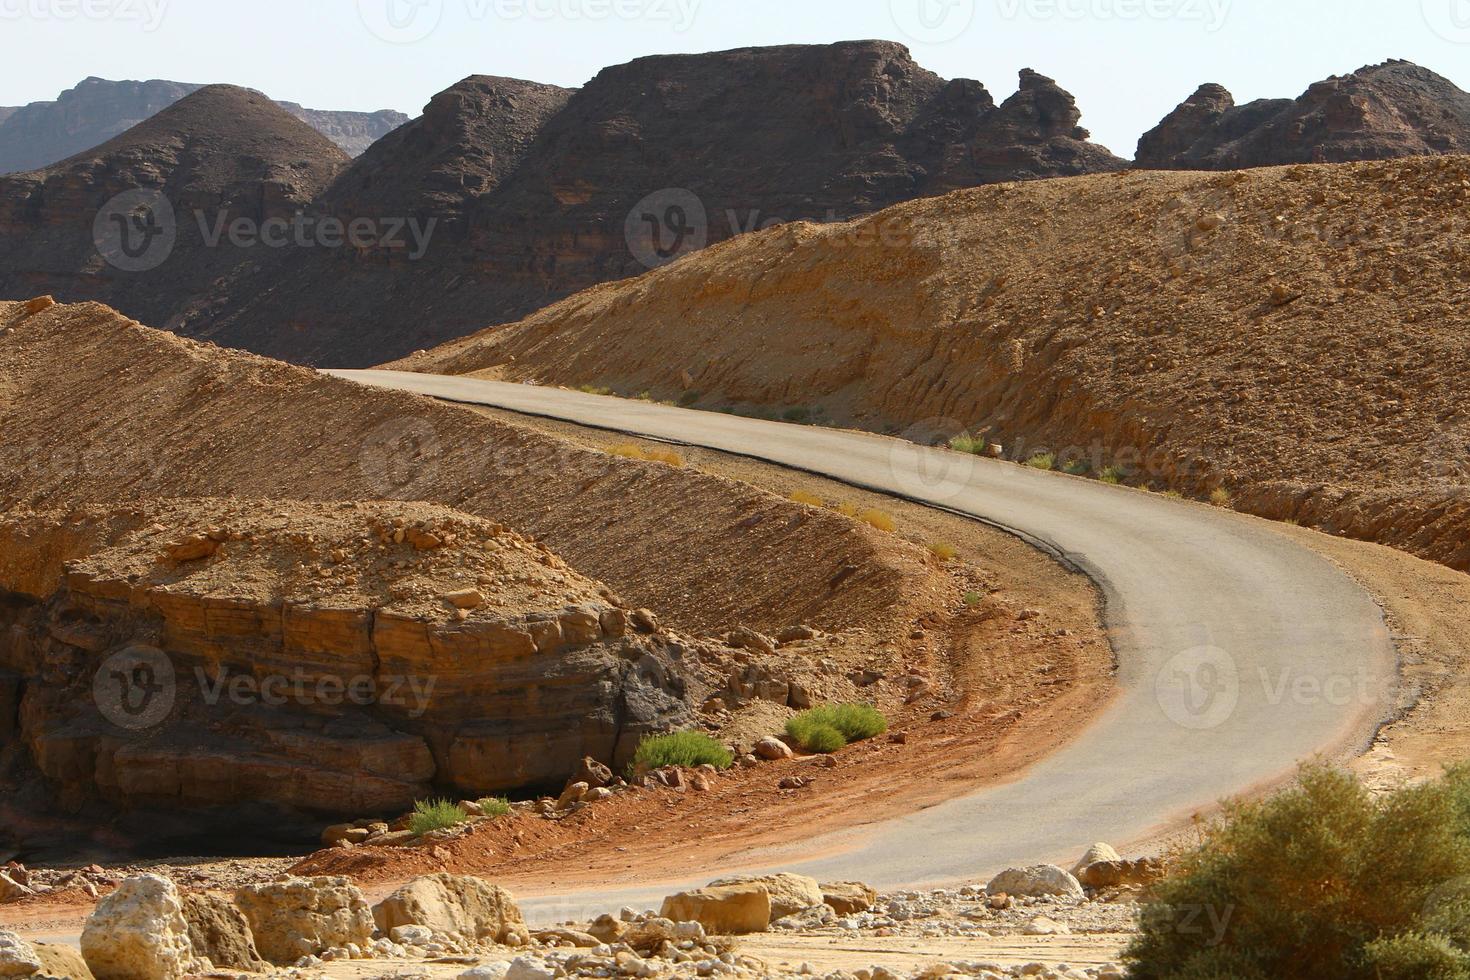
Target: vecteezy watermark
[[138, 230], [666, 225], [933, 21], [1450, 19], [399, 455], [410, 21], [147, 13], [1211, 922], [1210, 13], [135, 688], [1199, 688]]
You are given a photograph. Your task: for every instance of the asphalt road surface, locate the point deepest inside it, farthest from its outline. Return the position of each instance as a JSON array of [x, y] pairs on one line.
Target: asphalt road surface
[[1240, 653]]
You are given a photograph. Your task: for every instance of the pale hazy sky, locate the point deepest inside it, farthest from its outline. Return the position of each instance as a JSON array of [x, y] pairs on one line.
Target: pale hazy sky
[[1128, 61]]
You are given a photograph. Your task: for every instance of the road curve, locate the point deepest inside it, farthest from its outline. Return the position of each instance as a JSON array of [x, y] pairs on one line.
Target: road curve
[[1240, 653]]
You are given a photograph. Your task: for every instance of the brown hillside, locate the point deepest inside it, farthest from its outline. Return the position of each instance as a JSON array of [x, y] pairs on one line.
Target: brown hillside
[[1296, 335]]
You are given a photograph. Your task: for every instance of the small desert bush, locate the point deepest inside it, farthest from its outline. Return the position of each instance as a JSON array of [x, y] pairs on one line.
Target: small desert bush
[[1319, 882], [880, 519], [813, 729], [973, 598], [943, 550], [1220, 497], [1112, 475], [683, 749], [594, 390], [800, 414], [1077, 467], [494, 806], [645, 396], [430, 815], [689, 398], [846, 509], [968, 444], [666, 456], [1042, 461], [629, 450], [808, 499]]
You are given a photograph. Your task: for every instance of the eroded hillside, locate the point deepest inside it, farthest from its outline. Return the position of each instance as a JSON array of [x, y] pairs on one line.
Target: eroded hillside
[[1293, 336]]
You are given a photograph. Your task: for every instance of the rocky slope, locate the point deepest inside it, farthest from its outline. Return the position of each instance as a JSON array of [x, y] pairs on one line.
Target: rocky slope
[[524, 193], [1380, 112], [218, 156], [1290, 336], [43, 133]]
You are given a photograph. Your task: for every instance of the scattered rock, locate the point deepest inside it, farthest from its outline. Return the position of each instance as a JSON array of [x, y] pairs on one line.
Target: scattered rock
[[299, 917], [11, 890], [728, 910], [465, 599], [592, 772], [139, 933], [193, 548], [18, 958], [1095, 854], [773, 749], [460, 904], [848, 897]]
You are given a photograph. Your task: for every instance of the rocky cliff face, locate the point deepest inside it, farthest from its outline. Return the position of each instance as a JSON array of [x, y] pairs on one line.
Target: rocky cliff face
[[322, 658], [220, 155], [43, 133], [1381, 112]]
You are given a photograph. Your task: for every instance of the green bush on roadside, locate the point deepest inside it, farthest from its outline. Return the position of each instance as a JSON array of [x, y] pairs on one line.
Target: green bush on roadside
[[1320, 882], [494, 806], [430, 815], [814, 730], [683, 749]]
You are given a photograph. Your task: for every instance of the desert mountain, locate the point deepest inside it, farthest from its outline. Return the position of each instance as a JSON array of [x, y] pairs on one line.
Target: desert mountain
[[532, 190], [1396, 109], [240, 516], [1293, 336], [217, 156], [43, 133]]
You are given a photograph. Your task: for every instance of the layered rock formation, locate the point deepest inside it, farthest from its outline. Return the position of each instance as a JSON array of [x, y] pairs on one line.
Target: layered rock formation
[[1395, 109], [324, 658], [43, 133]]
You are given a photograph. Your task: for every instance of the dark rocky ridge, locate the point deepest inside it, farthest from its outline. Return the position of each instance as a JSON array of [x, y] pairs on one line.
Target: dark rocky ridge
[[756, 135], [1380, 112], [43, 133]]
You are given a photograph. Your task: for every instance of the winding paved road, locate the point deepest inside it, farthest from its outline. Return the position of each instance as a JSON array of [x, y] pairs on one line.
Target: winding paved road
[[1240, 653]]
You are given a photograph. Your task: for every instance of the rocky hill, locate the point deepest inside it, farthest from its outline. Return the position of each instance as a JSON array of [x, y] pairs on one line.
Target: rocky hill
[[1381, 112], [1292, 338], [90, 114], [220, 155], [525, 193]]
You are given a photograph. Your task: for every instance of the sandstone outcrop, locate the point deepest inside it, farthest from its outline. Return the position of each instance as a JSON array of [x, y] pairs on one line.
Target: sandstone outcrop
[[848, 897], [300, 917], [220, 933], [139, 933], [456, 905], [730, 910], [790, 893], [1380, 112], [351, 687]]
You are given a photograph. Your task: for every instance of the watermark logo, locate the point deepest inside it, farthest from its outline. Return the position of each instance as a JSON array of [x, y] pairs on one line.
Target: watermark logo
[[1199, 688], [933, 21], [922, 467], [135, 688], [400, 455], [1212, 14], [148, 13], [136, 231], [1450, 19], [665, 226], [400, 21]]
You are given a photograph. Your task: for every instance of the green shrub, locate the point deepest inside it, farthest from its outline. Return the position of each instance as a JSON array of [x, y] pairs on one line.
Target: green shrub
[[968, 444], [973, 598], [683, 749], [800, 414], [1042, 461], [594, 390], [1111, 474], [812, 730], [429, 815], [689, 398], [495, 806], [1320, 882], [1077, 467]]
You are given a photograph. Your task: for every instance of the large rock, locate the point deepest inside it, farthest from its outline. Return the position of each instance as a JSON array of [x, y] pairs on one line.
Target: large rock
[[300, 917], [1122, 874], [219, 932], [1035, 882], [1095, 854], [17, 957], [728, 910], [11, 890], [790, 893], [139, 933], [62, 962], [455, 905], [848, 897]]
